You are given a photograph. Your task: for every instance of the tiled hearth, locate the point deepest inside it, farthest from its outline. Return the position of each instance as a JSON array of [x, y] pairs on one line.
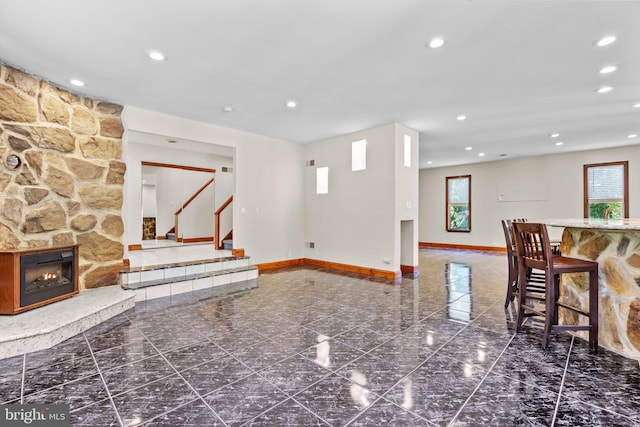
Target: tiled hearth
[[311, 347]]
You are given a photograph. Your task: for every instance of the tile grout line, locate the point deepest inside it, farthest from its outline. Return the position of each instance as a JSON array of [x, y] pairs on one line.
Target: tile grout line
[[381, 396], [199, 397], [482, 380], [564, 374], [113, 405], [24, 374]]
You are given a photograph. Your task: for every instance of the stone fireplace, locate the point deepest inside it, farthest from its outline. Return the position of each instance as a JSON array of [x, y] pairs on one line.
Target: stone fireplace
[[61, 174]]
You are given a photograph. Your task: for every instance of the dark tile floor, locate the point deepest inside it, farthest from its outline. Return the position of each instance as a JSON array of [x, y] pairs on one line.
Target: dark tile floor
[[311, 347]]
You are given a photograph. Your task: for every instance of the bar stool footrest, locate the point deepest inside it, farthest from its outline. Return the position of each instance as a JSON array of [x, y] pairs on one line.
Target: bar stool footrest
[[573, 308]]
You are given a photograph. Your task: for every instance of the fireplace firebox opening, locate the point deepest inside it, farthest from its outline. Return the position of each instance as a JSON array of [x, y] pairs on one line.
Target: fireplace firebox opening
[[45, 275], [35, 277]]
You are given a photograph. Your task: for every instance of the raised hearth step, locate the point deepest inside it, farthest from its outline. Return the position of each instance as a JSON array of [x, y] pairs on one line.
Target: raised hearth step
[[51, 324]]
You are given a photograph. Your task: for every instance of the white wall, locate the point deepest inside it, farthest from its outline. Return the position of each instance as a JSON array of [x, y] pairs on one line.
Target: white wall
[[355, 222], [149, 203], [552, 187], [406, 198], [268, 208]]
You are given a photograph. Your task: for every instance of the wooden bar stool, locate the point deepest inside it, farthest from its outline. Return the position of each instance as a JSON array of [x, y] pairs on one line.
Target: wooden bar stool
[[534, 251], [535, 280]]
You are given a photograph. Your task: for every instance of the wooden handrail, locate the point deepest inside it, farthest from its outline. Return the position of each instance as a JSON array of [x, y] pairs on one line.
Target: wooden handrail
[[217, 224], [224, 205], [187, 168], [179, 211], [208, 183]]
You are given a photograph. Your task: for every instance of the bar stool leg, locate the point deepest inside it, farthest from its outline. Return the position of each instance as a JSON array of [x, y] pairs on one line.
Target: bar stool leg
[[513, 285], [556, 298], [550, 308], [522, 297]]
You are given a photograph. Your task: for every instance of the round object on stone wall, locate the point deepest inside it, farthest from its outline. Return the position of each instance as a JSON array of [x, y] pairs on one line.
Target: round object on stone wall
[[13, 161]]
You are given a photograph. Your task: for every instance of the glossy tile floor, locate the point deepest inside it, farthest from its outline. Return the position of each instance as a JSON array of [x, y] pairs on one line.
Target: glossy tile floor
[[310, 347]]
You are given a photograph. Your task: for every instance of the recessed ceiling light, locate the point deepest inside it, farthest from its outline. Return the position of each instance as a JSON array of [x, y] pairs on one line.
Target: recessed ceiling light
[[429, 162], [481, 154], [605, 41], [436, 42], [227, 109], [632, 135], [292, 104], [157, 56], [636, 105], [604, 89], [468, 148], [554, 135], [559, 143], [76, 82], [608, 69], [461, 117]]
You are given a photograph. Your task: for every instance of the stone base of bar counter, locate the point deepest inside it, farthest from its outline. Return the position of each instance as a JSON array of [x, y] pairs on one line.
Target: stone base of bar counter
[[618, 255]]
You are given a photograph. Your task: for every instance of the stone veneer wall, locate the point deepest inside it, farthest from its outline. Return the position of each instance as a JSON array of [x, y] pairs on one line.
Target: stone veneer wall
[[618, 256], [69, 186]]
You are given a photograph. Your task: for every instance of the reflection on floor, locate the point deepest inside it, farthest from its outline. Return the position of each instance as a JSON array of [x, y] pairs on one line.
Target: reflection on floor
[[312, 347]]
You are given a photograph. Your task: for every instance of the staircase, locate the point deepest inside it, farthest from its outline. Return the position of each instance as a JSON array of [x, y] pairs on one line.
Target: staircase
[[151, 282], [227, 244]]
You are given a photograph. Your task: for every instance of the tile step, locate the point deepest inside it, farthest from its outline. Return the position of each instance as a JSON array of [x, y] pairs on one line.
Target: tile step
[[136, 277], [178, 284]]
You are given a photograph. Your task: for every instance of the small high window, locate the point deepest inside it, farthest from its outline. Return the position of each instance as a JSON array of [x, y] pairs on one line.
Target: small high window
[[606, 190], [359, 155], [322, 180], [407, 151], [458, 203]]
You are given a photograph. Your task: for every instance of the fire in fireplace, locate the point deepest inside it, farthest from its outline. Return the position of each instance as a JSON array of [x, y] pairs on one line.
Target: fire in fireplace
[[33, 277], [45, 276]]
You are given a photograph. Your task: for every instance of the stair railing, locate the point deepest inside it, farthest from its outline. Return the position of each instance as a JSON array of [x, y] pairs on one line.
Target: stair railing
[[217, 240], [184, 205]]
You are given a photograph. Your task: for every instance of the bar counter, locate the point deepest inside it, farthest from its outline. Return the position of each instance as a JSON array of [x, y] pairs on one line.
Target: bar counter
[[615, 245]]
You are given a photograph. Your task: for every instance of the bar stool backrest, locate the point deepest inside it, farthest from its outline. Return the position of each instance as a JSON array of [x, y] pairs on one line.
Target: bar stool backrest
[[509, 237], [532, 245]]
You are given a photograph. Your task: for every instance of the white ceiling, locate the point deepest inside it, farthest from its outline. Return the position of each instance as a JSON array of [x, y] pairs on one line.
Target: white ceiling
[[519, 69]]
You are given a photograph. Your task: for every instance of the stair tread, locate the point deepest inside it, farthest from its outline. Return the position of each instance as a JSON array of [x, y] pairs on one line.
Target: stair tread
[[169, 280], [182, 264]]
